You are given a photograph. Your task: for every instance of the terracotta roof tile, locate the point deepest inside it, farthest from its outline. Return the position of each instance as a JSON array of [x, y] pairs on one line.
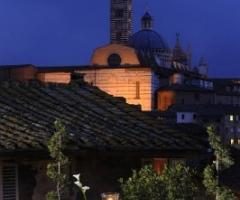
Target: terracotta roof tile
[[93, 119]]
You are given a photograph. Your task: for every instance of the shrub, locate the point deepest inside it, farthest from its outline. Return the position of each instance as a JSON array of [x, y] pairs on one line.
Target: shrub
[[176, 182]]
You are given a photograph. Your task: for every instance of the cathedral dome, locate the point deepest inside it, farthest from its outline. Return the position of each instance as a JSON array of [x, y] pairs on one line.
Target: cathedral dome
[[147, 39]]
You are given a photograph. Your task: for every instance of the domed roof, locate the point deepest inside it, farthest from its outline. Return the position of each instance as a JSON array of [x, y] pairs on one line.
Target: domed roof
[[147, 39]]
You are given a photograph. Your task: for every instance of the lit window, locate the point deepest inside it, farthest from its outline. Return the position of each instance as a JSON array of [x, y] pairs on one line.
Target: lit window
[[232, 142], [231, 118], [238, 141]]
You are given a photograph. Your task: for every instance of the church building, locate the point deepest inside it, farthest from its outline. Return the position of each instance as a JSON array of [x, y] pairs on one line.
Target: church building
[[135, 66]]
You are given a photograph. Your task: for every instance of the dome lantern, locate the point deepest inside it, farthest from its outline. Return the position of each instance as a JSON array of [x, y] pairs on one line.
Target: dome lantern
[[147, 21]]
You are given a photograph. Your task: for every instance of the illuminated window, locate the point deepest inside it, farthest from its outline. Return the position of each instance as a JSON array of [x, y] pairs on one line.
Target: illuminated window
[[232, 142], [231, 118], [238, 141]]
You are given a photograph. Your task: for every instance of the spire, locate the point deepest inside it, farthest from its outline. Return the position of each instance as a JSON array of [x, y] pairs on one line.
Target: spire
[[147, 21], [178, 53]]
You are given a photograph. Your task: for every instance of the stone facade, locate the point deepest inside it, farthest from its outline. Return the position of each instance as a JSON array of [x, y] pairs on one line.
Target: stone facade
[[54, 77], [136, 85], [128, 55]]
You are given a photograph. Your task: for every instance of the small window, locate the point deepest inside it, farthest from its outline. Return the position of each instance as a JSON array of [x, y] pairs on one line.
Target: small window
[[194, 116], [232, 141], [137, 96], [183, 116], [231, 118], [238, 141], [114, 60]]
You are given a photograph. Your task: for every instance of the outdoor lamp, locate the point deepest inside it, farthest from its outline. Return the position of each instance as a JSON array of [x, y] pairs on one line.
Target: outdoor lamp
[[110, 196]]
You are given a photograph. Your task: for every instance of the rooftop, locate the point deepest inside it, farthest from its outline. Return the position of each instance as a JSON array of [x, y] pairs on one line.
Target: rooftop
[[94, 121]]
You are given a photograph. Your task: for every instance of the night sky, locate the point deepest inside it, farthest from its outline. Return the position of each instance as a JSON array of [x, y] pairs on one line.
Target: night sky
[[64, 32]]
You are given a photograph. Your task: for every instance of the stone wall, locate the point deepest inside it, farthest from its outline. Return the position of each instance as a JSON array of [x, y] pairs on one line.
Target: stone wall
[[54, 77], [128, 55], [125, 82]]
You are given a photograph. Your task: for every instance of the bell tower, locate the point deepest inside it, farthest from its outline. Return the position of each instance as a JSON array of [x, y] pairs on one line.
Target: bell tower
[[120, 21]]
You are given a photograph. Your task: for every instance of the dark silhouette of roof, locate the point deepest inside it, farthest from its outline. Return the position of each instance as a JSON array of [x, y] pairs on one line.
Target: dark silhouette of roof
[[94, 120]]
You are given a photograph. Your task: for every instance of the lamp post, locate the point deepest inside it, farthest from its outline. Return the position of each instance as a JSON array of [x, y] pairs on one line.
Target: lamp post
[[110, 196]]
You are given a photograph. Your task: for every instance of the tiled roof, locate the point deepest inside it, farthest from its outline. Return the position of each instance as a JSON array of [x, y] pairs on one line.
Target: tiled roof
[[94, 121]]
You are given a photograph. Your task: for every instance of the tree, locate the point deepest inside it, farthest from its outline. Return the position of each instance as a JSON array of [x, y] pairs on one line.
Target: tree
[[58, 166], [176, 182], [143, 185], [180, 183], [211, 173]]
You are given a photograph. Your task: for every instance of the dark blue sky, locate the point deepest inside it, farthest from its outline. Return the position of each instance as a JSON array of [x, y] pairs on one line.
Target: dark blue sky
[[64, 32]]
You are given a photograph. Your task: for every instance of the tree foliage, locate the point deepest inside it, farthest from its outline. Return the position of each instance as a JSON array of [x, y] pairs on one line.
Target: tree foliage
[[179, 182], [176, 182], [211, 173], [58, 166]]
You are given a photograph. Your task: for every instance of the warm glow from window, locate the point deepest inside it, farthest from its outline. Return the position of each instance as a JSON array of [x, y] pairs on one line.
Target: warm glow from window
[[231, 118], [232, 141], [238, 141]]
